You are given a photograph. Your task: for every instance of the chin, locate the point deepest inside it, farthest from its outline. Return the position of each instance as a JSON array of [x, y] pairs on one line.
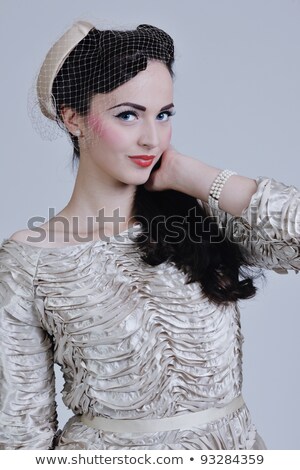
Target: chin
[[138, 181]]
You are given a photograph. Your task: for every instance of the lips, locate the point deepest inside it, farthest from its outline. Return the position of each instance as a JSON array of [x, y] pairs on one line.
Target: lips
[[143, 157], [143, 160]]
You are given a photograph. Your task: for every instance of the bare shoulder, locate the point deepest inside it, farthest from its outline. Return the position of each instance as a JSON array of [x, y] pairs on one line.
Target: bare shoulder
[[38, 237], [25, 236], [20, 235], [41, 237]]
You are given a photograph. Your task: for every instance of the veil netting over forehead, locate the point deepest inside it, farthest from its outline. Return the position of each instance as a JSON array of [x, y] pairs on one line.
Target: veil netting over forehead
[[85, 61]]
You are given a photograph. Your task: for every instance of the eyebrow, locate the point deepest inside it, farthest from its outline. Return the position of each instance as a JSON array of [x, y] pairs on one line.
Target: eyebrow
[[142, 108]]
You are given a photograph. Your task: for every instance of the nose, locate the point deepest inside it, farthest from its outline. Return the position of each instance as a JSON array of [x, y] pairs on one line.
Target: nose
[[149, 136]]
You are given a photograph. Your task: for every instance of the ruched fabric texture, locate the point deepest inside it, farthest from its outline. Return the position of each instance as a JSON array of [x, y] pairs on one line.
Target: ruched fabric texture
[[133, 341], [28, 411]]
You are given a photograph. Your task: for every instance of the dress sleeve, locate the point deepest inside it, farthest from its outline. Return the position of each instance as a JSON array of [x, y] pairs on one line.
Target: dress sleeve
[[28, 417], [269, 228]]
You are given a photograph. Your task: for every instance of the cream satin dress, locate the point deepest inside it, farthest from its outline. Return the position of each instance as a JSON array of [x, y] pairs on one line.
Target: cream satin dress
[[133, 341]]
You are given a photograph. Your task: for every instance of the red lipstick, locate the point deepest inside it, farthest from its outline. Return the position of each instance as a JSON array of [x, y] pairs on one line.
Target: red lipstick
[[143, 160]]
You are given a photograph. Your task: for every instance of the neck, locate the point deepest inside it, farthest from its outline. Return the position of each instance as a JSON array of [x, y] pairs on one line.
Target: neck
[[98, 201]]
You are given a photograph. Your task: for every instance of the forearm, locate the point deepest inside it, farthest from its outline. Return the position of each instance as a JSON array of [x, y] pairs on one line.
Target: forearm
[[195, 178]]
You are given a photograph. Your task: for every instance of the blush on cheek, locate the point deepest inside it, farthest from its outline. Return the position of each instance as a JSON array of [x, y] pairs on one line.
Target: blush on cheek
[[101, 129], [96, 124]]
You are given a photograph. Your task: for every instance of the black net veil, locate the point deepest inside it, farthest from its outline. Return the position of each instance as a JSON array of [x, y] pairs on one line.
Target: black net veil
[[85, 61]]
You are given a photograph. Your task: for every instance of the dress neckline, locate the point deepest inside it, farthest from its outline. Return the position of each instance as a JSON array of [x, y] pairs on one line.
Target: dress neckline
[[114, 239]]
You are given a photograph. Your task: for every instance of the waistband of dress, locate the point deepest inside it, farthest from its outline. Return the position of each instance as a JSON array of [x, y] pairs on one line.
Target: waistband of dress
[[184, 421]]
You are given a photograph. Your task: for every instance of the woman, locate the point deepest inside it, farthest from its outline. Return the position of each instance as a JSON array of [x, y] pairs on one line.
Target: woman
[[133, 287]]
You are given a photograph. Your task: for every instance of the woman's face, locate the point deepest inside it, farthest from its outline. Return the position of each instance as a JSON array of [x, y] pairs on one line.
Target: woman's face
[[132, 120]]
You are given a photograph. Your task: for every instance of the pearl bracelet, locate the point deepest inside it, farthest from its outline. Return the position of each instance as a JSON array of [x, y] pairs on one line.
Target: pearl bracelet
[[217, 186]]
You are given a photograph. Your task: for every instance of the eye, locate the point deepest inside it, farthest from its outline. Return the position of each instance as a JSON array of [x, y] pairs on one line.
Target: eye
[[165, 115], [127, 115]]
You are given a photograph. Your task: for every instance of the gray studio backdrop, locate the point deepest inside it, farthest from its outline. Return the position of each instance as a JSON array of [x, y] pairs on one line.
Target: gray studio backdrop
[[238, 106]]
